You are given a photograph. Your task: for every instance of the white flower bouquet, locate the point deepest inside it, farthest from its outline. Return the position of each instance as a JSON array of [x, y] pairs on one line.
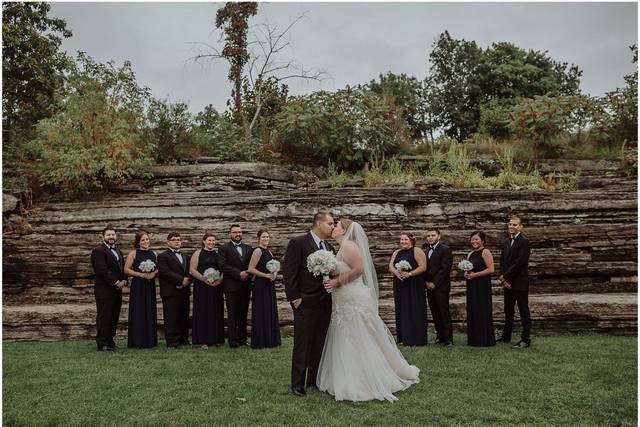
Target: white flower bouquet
[[403, 265], [321, 263], [465, 265], [147, 266], [211, 274], [273, 266]]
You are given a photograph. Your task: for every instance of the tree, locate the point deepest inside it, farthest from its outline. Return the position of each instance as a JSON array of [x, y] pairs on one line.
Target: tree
[[262, 68], [233, 20], [455, 96], [33, 70], [348, 128], [96, 138], [467, 80], [623, 106], [172, 130], [507, 72], [408, 93]]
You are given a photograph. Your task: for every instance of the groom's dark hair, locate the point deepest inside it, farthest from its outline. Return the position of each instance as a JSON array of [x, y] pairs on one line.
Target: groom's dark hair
[[322, 215]]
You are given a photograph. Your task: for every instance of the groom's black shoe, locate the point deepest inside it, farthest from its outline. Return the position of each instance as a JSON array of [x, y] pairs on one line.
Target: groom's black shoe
[[298, 391], [522, 344]]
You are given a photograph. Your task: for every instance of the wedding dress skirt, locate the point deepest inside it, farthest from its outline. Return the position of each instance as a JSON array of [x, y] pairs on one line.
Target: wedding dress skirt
[[360, 360]]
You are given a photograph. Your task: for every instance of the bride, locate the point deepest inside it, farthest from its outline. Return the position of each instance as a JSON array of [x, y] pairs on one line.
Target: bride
[[360, 360]]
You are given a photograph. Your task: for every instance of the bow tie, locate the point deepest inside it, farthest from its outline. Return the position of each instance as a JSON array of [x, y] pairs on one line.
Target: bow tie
[[432, 247], [237, 245], [175, 252]]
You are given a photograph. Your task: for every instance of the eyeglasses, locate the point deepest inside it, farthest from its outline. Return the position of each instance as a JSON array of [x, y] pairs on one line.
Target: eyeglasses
[[175, 239]]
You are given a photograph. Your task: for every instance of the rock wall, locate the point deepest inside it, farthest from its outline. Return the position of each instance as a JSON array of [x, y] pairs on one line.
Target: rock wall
[[583, 262]]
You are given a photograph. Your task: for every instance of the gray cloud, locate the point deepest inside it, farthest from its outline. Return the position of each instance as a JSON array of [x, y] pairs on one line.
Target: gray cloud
[[353, 42]]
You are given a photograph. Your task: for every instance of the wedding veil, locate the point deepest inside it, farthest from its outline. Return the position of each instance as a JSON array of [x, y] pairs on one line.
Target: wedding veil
[[356, 234]]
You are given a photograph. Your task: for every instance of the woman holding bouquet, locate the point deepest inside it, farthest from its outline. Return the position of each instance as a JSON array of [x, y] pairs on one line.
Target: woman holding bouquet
[[141, 266], [265, 327], [480, 331], [208, 300], [409, 293]]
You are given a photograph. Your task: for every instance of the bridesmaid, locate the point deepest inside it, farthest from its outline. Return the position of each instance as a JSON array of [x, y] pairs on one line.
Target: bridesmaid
[[143, 331], [409, 292], [208, 303], [480, 331], [265, 328]]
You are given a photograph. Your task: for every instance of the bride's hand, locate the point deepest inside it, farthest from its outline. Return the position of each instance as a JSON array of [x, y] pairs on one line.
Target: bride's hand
[[331, 285]]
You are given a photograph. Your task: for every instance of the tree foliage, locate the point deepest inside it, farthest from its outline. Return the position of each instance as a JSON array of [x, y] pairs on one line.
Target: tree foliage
[[467, 80], [96, 138], [33, 70], [347, 128], [623, 105], [408, 93]]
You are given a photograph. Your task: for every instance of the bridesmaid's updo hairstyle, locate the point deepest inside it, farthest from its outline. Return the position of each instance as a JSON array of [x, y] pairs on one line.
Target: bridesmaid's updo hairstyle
[[138, 237], [207, 234], [345, 223], [411, 237], [481, 234], [261, 232]]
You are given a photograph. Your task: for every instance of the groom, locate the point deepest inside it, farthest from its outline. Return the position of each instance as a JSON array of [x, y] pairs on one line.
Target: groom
[[310, 302]]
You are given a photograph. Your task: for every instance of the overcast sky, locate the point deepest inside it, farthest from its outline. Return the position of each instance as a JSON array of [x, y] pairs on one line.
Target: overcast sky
[[352, 42]]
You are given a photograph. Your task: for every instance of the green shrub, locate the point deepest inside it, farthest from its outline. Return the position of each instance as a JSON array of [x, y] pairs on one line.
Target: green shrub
[[95, 140]]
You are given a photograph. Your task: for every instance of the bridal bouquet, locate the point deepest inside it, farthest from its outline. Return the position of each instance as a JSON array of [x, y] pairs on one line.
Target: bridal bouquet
[[147, 266], [403, 266], [321, 263], [273, 266], [465, 265], [211, 274]]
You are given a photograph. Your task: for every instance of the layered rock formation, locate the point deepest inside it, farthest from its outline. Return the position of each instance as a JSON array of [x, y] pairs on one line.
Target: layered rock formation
[[583, 262]]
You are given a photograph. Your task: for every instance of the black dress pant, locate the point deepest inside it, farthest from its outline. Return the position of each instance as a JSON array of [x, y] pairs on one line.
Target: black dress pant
[[511, 297], [310, 325], [176, 319], [439, 306], [108, 313], [237, 311]]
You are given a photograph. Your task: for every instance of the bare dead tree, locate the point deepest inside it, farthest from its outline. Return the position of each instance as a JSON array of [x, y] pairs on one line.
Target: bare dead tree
[[267, 46]]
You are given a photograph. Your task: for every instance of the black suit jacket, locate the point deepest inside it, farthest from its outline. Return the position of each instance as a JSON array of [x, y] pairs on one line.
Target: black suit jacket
[[298, 281], [171, 272], [514, 262], [439, 266], [107, 271], [232, 264]]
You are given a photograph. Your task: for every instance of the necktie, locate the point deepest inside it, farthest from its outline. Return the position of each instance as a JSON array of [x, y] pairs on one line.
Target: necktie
[[322, 245]]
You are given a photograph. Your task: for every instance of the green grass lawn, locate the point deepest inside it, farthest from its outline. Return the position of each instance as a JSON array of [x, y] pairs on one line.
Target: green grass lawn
[[579, 380]]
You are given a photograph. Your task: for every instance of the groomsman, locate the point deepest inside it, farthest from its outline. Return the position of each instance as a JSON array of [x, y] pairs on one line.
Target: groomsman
[[109, 279], [175, 289], [234, 261], [514, 277], [438, 282]]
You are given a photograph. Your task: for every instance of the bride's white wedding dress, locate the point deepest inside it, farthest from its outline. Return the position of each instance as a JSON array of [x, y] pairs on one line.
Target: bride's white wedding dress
[[360, 360]]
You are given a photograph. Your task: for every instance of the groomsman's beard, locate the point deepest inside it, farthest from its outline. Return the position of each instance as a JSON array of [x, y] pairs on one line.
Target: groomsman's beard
[[110, 241]]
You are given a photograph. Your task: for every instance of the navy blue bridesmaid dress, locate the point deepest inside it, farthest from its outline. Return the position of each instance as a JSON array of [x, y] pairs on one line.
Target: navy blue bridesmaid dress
[[143, 330], [265, 328], [208, 305], [410, 297], [480, 331]]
